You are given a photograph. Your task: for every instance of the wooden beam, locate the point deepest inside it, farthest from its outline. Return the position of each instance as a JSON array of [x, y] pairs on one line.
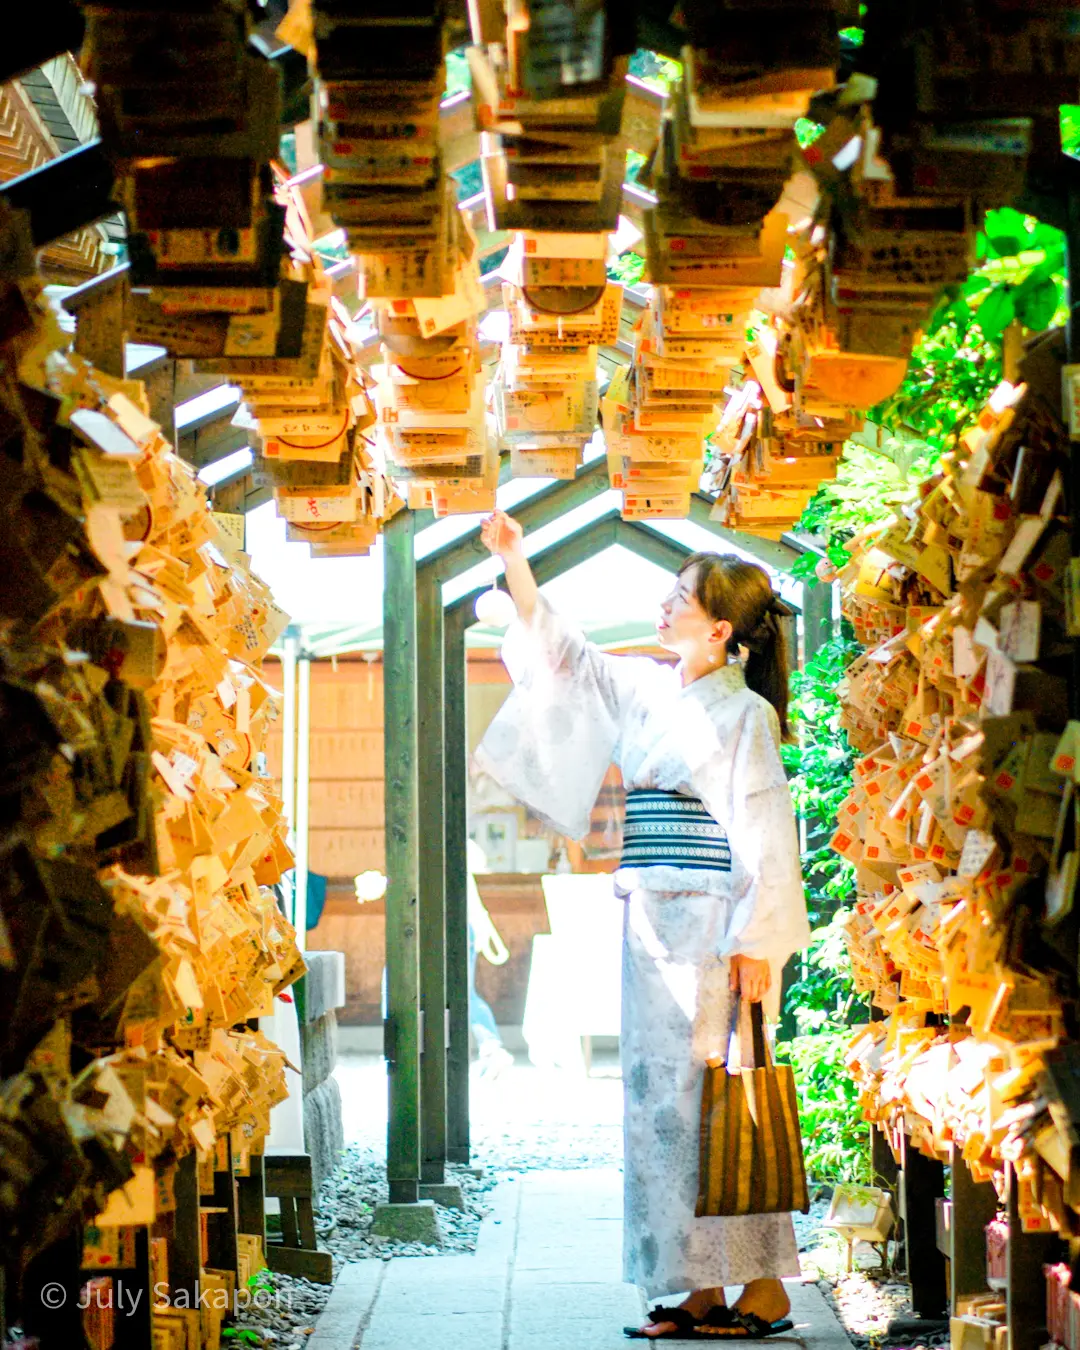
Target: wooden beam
[[652, 545], [772, 552], [543, 508], [212, 440], [402, 861], [551, 562], [64, 194]]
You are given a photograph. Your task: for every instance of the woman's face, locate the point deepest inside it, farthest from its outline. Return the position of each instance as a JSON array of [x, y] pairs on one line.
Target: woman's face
[[684, 627]]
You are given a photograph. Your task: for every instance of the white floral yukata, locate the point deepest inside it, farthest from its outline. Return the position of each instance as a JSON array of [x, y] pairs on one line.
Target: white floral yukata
[[573, 710]]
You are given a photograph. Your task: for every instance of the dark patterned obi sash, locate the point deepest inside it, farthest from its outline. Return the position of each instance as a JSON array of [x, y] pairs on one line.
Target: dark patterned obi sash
[[666, 829]]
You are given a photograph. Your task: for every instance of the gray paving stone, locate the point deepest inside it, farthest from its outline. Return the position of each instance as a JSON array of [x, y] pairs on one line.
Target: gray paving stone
[[816, 1325], [449, 1331], [571, 1336], [565, 1292], [534, 1300], [349, 1304], [430, 1296]]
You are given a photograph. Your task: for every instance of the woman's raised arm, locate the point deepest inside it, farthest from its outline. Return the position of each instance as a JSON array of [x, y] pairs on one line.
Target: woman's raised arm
[[502, 535]]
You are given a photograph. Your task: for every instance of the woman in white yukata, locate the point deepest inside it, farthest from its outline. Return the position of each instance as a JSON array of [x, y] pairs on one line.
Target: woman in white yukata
[[710, 873]]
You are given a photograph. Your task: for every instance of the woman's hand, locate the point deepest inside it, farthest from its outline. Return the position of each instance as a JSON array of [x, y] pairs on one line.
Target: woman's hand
[[502, 535], [750, 979]]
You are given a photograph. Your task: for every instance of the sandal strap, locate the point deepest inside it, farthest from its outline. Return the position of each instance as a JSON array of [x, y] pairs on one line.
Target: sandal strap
[[682, 1319]]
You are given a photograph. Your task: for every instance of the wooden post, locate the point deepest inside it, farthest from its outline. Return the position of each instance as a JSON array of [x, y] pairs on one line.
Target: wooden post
[[456, 825], [1026, 1287], [923, 1184], [160, 380], [432, 873], [251, 1200], [185, 1257], [973, 1206], [223, 1226], [100, 323], [301, 822], [402, 861], [817, 618]]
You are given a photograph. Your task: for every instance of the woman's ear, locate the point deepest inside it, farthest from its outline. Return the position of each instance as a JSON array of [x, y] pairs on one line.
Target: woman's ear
[[722, 632]]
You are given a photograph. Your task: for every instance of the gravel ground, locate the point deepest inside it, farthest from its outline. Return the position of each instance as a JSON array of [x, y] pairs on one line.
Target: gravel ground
[[866, 1306]]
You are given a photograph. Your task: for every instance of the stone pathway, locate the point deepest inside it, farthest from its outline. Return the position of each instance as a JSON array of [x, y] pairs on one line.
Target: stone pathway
[[545, 1276]]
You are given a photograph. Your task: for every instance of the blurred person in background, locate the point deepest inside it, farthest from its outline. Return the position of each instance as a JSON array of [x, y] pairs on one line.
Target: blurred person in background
[[492, 1056]]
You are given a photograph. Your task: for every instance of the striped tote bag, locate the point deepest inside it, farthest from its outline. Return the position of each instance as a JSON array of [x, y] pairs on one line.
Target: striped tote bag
[[751, 1145]]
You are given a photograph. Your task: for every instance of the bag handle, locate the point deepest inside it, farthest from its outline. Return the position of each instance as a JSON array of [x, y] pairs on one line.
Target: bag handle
[[759, 1041]]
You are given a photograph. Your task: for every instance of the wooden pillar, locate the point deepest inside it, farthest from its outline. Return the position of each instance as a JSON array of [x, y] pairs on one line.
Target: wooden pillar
[[101, 323], [973, 1207], [1026, 1286], [402, 1033], [185, 1261], [160, 381], [223, 1224], [432, 874], [456, 825], [817, 609], [251, 1200], [923, 1186], [134, 1318]]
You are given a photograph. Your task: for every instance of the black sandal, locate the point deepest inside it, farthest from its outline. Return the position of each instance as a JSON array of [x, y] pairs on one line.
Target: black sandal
[[686, 1325], [734, 1324]]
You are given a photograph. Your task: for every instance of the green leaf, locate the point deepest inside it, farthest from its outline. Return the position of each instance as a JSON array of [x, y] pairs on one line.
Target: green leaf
[[996, 312], [1006, 245], [1036, 307], [1007, 220]]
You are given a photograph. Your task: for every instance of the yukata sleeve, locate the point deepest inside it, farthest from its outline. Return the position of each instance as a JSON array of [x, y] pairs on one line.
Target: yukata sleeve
[[551, 743], [744, 786]]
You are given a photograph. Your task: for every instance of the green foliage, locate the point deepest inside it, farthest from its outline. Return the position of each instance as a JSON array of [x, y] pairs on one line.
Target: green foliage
[[955, 367], [868, 484], [1070, 128], [836, 1141], [807, 131], [1020, 275], [243, 1335], [659, 72], [634, 160], [628, 269], [468, 180], [822, 1000], [458, 75]]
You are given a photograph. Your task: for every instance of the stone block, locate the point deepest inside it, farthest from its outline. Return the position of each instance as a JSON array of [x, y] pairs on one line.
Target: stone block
[[448, 1194], [408, 1223], [324, 984], [324, 1135], [318, 1049]]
